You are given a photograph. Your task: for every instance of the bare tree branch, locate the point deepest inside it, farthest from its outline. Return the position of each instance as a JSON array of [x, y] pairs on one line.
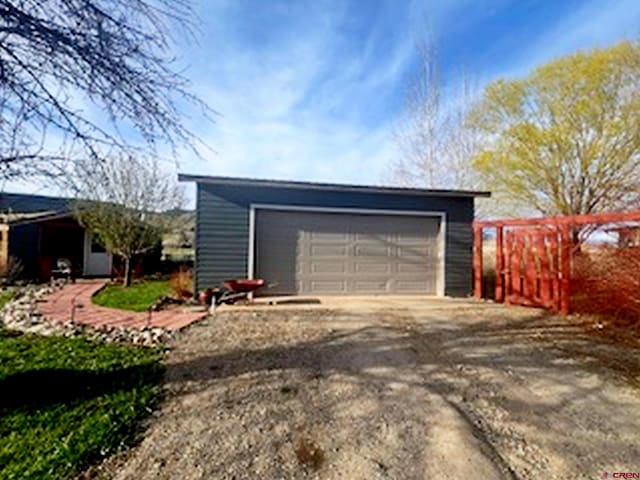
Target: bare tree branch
[[434, 140], [59, 59]]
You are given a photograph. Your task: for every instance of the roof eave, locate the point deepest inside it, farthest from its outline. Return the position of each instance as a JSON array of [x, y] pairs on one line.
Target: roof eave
[[250, 182], [42, 218]]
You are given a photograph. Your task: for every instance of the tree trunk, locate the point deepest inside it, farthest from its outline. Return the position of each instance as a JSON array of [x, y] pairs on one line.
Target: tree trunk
[[126, 280]]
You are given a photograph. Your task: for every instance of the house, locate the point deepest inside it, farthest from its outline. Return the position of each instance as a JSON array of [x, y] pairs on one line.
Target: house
[[320, 238], [38, 230]]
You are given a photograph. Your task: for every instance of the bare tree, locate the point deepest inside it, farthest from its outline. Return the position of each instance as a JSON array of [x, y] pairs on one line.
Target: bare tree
[[125, 203], [59, 59], [417, 134], [433, 137]]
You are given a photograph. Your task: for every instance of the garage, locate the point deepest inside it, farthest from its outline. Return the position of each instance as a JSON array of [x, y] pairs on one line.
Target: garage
[[312, 238], [307, 251]]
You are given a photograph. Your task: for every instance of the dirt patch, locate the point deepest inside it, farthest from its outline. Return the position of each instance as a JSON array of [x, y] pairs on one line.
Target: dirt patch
[[392, 391]]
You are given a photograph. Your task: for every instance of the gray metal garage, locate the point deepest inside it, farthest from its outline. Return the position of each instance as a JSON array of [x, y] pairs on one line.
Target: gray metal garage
[[319, 238]]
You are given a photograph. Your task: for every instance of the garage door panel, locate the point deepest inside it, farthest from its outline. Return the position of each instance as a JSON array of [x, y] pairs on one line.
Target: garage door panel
[[328, 237], [417, 267], [372, 286], [328, 267], [372, 267], [337, 253], [415, 251], [327, 286], [328, 250], [372, 251], [372, 237], [415, 286]]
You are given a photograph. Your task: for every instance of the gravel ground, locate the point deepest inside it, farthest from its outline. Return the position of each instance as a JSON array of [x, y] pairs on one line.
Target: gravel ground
[[392, 389]]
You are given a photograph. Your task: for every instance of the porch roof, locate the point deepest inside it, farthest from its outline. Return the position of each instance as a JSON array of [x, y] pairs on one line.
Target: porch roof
[[18, 218]]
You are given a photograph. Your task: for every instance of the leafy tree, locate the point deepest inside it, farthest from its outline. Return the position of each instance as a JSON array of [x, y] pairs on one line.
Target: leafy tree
[[566, 139], [124, 204], [61, 61]]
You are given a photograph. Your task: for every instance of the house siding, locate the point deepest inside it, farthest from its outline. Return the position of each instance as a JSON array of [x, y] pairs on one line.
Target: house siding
[[222, 226]]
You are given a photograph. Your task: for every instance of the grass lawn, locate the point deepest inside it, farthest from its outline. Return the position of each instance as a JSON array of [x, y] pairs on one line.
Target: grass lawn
[[66, 403], [138, 297]]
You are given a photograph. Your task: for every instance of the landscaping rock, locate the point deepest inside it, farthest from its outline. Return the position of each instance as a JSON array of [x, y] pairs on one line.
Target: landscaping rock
[[21, 314]]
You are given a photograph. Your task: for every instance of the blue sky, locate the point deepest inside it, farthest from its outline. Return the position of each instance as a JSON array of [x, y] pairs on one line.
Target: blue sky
[[310, 90]]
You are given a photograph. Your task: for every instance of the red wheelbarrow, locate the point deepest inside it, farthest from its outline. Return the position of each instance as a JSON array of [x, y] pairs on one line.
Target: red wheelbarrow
[[234, 290]]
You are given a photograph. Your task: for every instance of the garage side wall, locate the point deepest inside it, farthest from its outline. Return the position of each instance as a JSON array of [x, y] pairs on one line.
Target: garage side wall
[[222, 226]]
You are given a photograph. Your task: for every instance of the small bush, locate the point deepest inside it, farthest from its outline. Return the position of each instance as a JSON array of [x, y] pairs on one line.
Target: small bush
[[181, 283]]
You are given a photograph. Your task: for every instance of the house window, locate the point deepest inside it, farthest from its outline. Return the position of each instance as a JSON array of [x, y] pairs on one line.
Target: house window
[[96, 247]]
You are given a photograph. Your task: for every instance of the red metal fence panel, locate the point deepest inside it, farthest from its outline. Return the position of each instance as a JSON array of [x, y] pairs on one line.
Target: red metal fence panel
[[533, 257]]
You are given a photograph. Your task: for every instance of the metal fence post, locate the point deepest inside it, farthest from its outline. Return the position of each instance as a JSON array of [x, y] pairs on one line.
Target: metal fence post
[[499, 293], [477, 261], [565, 269]]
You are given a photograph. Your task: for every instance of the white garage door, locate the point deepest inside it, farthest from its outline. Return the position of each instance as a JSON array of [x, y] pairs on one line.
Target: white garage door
[[343, 253]]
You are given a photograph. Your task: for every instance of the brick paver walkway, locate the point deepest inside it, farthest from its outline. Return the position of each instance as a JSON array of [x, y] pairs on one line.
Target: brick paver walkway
[[74, 300]]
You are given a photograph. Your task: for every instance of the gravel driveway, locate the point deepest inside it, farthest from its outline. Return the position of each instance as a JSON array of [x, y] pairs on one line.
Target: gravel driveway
[[393, 389]]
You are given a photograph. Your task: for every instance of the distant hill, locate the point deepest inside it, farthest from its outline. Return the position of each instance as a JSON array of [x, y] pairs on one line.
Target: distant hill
[[179, 243]]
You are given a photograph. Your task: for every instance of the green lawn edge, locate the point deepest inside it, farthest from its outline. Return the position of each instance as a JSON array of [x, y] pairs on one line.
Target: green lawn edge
[[136, 298]]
